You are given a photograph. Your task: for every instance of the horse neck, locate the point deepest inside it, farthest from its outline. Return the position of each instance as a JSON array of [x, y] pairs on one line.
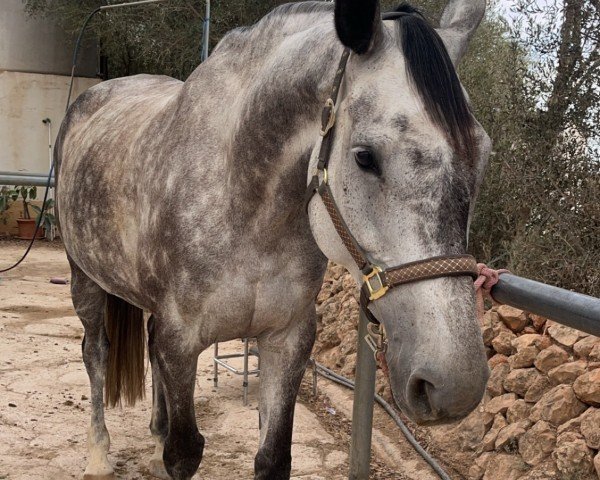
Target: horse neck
[[274, 116]]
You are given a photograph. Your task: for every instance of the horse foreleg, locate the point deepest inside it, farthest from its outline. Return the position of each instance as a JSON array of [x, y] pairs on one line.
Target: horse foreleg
[[159, 424], [176, 358], [283, 357], [89, 301]]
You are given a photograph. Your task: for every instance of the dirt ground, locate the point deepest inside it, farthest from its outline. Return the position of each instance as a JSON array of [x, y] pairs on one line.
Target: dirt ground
[[44, 407]]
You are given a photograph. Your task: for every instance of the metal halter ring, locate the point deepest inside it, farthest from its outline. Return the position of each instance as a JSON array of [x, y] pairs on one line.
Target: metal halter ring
[[376, 339]]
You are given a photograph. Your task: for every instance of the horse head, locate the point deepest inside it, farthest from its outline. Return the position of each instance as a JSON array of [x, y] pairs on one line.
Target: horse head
[[404, 167]]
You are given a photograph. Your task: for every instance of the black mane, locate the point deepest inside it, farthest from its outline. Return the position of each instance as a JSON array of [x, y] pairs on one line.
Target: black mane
[[434, 76]]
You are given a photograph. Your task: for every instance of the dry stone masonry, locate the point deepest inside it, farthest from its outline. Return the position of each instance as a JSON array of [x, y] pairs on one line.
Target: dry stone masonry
[[540, 417]]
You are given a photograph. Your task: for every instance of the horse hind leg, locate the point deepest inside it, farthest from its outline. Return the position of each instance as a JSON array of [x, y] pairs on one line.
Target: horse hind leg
[[159, 424], [89, 301]]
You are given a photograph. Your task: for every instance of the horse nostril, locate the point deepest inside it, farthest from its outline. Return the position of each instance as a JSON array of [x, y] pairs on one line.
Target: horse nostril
[[419, 395]]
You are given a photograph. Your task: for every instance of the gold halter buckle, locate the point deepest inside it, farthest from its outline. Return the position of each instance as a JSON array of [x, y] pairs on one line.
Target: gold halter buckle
[[375, 284]]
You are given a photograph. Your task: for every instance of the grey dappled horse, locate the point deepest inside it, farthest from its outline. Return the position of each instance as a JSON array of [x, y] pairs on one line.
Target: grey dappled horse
[[187, 200]]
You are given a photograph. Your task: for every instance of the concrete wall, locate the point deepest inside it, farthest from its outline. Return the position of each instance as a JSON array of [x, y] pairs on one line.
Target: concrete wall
[[25, 100], [38, 45]]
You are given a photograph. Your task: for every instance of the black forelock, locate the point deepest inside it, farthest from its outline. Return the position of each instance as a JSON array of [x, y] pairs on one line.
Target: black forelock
[[434, 77]]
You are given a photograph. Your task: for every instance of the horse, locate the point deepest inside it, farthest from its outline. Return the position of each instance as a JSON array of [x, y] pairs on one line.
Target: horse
[[188, 201]]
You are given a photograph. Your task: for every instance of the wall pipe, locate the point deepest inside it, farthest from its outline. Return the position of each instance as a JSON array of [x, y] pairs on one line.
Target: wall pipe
[[206, 33], [23, 174], [34, 180]]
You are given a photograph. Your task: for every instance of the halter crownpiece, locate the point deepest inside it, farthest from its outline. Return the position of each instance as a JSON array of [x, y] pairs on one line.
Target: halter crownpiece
[[376, 280]]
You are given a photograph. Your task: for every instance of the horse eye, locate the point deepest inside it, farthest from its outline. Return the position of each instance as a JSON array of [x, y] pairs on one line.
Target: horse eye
[[366, 160]]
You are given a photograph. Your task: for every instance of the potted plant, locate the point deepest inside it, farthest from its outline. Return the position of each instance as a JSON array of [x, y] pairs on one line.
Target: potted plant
[[26, 223], [6, 196], [48, 219]]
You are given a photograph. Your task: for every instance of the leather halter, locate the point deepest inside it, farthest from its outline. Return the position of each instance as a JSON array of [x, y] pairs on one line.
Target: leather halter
[[376, 280]]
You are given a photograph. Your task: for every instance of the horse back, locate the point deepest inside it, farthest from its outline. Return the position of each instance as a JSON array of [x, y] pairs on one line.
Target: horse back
[[102, 154]]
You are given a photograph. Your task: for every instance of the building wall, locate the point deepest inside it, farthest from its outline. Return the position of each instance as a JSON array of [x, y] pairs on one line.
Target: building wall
[[35, 68], [25, 100], [38, 45]]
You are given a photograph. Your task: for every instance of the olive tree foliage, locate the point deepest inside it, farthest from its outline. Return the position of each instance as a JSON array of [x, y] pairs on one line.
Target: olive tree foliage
[[533, 82], [539, 212], [163, 38]]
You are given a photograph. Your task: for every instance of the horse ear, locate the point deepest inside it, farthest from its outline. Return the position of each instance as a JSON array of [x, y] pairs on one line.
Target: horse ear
[[458, 24], [357, 23]]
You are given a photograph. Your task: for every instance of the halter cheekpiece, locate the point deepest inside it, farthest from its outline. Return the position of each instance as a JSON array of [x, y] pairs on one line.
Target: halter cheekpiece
[[376, 280]]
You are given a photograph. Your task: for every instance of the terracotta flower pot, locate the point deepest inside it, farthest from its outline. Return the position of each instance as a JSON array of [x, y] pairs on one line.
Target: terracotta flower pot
[[27, 229]]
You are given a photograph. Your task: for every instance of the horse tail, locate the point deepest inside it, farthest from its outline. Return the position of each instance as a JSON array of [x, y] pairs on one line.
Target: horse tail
[[125, 373]]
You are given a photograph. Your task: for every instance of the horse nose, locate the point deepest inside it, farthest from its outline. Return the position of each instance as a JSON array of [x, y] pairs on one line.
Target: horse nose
[[435, 399]]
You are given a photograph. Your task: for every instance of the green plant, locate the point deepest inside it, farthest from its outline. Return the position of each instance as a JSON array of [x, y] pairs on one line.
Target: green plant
[[7, 195], [27, 194], [48, 219]]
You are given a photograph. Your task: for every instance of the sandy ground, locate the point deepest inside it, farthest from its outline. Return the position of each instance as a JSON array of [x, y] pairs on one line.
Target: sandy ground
[[44, 406]]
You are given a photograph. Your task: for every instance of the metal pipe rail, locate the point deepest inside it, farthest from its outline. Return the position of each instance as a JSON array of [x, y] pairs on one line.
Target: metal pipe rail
[[563, 306], [31, 179]]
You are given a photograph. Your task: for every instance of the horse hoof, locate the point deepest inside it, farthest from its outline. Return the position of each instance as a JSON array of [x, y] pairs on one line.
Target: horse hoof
[[103, 476], [157, 469]]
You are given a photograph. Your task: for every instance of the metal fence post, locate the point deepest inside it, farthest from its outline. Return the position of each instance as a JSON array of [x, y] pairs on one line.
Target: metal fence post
[[362, 412]]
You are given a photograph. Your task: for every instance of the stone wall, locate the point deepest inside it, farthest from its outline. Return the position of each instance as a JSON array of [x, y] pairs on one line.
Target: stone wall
[[539, 418]]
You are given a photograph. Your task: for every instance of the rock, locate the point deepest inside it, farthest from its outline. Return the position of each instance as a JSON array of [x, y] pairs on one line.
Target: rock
[[540, 386], [509, 436], [513, 318], [564, 335], [523, 358], [504, 466], [590, 427], [557, 406], [531, 340], [567, 437], [496, 360], [594, 355], [349, 368], [325, 293], [537, 443], [567, 372], [490, 318], [537, 321], [584, 346], [544, 471], [587, 388], [473, 428], [518, 411], [519, 380], [478, 468], [500, 404], [574, 459], [329, 338], [503, 342], [489, 440], [550, 357], [597, 464], [572, 425], [494, 385]]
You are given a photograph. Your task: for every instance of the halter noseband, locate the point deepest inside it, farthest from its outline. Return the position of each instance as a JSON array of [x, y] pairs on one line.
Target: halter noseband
[[376, 280]]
